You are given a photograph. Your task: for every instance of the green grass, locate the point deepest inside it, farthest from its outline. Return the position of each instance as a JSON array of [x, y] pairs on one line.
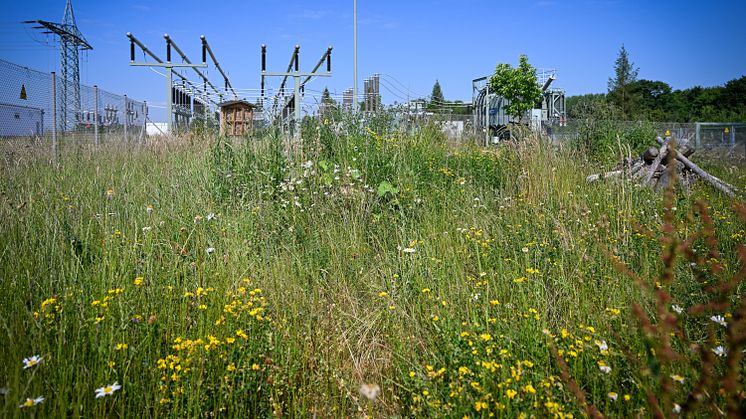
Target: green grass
[[310, 293]]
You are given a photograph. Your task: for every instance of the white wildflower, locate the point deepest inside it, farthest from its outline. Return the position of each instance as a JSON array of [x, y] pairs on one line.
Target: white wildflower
[[679, 379], [370, 391], [719, 320], [107, 390], [31, 361], [31, 402]]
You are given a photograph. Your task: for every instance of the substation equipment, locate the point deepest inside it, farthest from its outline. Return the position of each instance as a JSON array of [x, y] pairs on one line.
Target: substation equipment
[[492, 119]]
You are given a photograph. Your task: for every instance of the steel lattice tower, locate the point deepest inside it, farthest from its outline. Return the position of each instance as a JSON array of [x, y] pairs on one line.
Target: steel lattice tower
[[71, 42]]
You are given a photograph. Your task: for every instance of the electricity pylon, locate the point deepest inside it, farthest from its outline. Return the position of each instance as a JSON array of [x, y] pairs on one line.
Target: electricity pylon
[[71, 42]]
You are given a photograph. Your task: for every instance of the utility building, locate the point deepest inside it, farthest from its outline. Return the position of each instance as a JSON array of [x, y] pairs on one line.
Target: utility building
[[236, 118]]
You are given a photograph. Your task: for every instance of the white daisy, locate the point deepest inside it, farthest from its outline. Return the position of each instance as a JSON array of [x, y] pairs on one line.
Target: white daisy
[[677, 309], [720, 350], [107, 390], [31, 361], [409, 250], [676, 408], [602, 346], [31, 402], [370, 391], [613, 396], [210, 250], [604, 369], [719, 320]]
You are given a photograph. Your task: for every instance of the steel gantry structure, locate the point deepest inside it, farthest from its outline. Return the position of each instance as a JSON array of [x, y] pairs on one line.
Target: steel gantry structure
[[169, 66], [72, 42], [293, 70]]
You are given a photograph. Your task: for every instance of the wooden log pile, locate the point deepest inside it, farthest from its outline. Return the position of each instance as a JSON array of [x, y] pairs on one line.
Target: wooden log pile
[[652, 169]]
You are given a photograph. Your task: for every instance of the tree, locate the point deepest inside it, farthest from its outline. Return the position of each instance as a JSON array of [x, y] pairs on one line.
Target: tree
[[650, 99], [437, 95], [328, 107], [625, 74], [517, 85], [326, 98]]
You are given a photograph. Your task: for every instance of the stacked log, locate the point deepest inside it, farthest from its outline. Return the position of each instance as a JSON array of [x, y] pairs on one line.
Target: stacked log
[[658, 167]]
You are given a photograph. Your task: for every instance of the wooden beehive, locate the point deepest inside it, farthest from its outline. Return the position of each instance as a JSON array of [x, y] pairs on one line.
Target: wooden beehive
[[236, 118]]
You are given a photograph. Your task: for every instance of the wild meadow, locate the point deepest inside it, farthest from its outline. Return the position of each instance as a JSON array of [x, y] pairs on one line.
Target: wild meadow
[[364, 272]]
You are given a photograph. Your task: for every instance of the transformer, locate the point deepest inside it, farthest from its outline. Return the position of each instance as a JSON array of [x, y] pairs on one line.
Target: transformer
[[490, 114]]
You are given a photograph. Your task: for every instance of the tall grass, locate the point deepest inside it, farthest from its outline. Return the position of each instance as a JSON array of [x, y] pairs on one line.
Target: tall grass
[[257, 278]]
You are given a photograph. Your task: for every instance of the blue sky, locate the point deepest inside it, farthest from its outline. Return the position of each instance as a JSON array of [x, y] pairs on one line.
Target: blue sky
[[413, 43]]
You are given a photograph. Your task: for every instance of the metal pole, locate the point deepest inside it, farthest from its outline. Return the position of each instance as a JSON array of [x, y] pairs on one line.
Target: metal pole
[[144, 121], [296, 92], [474, 111], [54, 114], [126, 117], [366, 87], [486, 115], [95, 115], [697, 136], [169, 99], [354, 36]]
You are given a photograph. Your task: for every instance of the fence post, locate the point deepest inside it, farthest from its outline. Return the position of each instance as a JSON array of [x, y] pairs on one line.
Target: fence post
[[144, 132], [95, 115], [54, 115], [733, 136], [126, 117], [487, 115]]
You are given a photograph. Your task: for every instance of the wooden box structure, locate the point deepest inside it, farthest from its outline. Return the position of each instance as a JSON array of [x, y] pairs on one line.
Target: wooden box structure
[[236, 117]]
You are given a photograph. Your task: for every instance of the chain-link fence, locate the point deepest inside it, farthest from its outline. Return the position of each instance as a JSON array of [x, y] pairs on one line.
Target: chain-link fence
[[728, 136], [35, 104]]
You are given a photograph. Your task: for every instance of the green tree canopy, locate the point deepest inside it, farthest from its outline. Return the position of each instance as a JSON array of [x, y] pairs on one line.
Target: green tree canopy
[[625, 74], [326, 98], [437, 95], [518, 85]]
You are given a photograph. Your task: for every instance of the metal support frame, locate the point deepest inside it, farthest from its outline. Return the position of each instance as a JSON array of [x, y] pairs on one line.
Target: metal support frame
[[54, 114], [125, 114], [354, 43], [487, 115], [71, 42], [206, 46], [169, 66], [169, 83], [297, 83], [95, 115]]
